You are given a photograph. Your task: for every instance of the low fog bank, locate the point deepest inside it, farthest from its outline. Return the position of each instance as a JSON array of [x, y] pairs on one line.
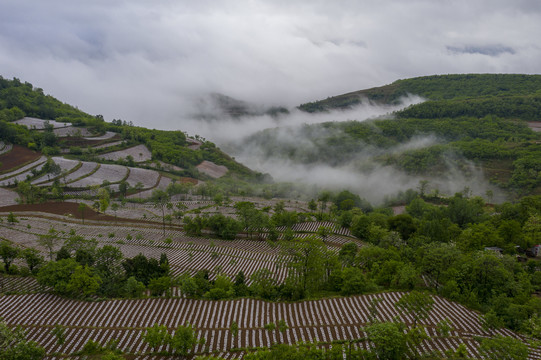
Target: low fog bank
[[223, 129], [372, 181], [356, 171]]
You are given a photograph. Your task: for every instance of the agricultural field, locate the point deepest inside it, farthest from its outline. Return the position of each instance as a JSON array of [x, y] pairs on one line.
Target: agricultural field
[[83, 170], [39, 124], [4, 148], [139, 153], [109, 172], [71, 131], [211, 169], [90, 246], [18, 158], [108, 135], [323, 321], [8, 197], [65, 166]]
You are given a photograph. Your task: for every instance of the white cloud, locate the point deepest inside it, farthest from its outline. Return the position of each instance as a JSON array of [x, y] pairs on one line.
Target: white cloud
[[146, 61]]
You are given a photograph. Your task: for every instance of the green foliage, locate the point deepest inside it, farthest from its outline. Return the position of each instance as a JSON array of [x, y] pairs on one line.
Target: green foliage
[[184, 340], [8, 253], [156, 336], [134, 288], [416, 304], [59, 332], [503, 348], [388, 338], [15, 346]]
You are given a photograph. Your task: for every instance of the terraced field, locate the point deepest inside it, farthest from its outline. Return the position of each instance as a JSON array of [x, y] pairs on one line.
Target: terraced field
[[39, 124], [139, 153], [109, 172], [321, 321]]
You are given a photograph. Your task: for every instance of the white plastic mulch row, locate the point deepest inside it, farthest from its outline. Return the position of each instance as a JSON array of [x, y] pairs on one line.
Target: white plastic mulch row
[[102, 146], [38, 124], [139, 153], [65, 165], [84, 170], [149, 178], [4, 148], [20, 177], [8, 197], [72, 131], [109, 172], [106, 136], [164, 182], [24, 169], [324, 320]]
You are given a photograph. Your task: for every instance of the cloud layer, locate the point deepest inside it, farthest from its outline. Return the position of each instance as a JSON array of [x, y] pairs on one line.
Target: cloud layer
[[147, 61]]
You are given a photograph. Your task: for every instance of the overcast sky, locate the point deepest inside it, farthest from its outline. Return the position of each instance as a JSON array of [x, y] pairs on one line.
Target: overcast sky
[[147, 61]]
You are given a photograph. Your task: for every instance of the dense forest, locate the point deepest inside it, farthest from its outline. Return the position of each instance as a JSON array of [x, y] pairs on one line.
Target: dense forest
[[464, 120]]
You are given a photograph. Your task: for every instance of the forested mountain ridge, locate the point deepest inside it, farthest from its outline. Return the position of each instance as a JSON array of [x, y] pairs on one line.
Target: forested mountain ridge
[[478, 119], [437, 87]]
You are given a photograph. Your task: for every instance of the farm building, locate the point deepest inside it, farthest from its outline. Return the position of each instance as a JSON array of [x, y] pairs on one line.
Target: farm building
[[535, 251]]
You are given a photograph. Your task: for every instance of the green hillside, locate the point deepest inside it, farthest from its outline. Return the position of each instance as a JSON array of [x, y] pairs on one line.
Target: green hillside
[[480, 119], [19, 100], [500, 88]]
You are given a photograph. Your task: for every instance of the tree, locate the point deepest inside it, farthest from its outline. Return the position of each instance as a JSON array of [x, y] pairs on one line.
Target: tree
[[114, 207], [83, 282], [234, 328], [416, 304], [355, 282], [12, 219], [184, 339], [69, 278], [82, 207], [160, 286], [156, 336], [160, 199], [14, 346], [305, 259], [263, 284], [388, 338], [347, 254], [134, 288], [503, 348], [49, 241], [104, 199], [33, 258], [8, 253], [59, 332], [108, 265], [323, 232]]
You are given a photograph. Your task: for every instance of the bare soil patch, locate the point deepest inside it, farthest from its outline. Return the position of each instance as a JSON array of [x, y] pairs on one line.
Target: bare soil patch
[[63, 208], [18, 156]]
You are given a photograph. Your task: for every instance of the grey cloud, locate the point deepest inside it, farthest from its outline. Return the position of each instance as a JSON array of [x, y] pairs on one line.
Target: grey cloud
[[490, 50], [146, 61]]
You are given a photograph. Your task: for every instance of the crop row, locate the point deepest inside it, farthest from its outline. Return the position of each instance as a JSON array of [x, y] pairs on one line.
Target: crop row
[[21, 175], [139, 153], [324, 320], [66, 165], [4, 148]]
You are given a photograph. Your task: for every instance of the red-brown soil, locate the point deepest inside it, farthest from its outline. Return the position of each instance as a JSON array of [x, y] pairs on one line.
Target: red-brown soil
[[186, 180], [18, 156], [65, 208]]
